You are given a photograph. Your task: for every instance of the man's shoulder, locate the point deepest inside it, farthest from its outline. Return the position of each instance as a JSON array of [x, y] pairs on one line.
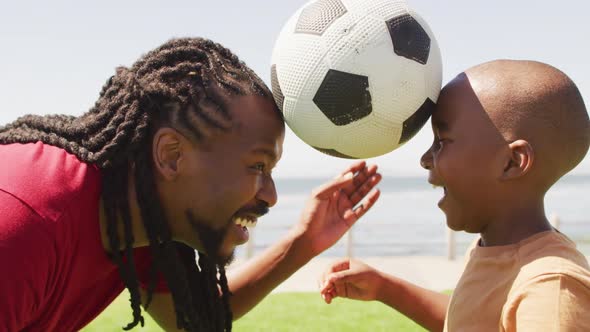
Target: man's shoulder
[[46, 178]]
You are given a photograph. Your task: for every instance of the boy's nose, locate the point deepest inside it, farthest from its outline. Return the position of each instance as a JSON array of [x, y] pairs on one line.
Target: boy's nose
[[426, 160]]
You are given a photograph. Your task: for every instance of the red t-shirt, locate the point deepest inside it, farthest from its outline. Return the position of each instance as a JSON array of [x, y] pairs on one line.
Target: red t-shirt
[[56, 275]]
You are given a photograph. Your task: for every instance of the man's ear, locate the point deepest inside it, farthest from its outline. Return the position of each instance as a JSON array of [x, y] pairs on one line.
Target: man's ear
[[167, 152], [519, 161]]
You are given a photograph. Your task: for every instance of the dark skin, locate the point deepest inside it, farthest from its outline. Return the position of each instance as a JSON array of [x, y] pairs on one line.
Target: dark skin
[[483, 175], [239, 162], [228, 175], [492, 157]]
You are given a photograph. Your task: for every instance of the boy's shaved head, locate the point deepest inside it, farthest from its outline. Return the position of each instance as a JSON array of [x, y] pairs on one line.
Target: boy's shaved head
[[538, 103]]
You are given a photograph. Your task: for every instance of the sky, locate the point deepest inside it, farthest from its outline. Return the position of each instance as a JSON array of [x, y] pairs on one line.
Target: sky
[[56, 55]]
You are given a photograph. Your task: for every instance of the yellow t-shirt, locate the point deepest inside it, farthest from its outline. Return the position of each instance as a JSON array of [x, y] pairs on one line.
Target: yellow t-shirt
[[539, 284]]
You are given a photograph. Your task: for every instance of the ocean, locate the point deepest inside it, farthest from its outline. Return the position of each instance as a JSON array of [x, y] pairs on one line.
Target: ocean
[[406, 220]]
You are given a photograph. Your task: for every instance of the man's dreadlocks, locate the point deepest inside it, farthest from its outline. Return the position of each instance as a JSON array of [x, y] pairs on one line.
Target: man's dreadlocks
[[167, 86]]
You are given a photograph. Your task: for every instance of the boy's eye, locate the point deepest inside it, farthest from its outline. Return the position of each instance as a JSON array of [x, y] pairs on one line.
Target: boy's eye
[[438, 142]]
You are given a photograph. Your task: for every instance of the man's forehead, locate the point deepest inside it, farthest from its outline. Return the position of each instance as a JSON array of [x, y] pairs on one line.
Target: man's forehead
[[269, 151]]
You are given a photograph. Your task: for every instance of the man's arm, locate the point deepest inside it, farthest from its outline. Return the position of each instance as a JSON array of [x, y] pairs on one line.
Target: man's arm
[[249, 283], [330, 212], [328, 215], [161, 309]]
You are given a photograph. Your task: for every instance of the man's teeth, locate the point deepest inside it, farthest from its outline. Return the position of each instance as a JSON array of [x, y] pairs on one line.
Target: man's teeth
[[245, 222]]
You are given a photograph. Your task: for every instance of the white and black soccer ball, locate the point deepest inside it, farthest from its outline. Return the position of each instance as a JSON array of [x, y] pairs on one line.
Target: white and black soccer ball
[[356, 78]]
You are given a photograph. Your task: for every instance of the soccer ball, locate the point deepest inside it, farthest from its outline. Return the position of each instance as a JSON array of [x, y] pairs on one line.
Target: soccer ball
[[356, 78]]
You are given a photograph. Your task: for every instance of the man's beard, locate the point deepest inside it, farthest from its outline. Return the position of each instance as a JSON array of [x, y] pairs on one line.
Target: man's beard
[[212, 240]]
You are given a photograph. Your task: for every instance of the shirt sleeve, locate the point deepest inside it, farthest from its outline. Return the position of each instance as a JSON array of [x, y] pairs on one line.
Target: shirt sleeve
[[28, 257], [552, 302]]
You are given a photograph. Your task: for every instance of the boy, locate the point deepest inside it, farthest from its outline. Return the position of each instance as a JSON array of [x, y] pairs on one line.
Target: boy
[[504, 133]]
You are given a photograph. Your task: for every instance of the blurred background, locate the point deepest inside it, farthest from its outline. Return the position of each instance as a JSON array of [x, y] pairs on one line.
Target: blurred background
[[55, 56]]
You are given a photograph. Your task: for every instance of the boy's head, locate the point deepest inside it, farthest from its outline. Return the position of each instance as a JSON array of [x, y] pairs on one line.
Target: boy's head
[[505, 132]]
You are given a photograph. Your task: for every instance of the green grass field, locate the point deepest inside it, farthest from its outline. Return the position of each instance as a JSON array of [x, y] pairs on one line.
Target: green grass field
[[284, 312]]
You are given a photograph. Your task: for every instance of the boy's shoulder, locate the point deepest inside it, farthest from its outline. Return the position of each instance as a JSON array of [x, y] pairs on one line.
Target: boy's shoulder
[[551, 288], [551, 248], [552, 256]]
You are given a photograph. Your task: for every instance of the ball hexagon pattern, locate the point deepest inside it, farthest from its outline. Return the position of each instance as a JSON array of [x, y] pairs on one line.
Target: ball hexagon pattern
[[316, 17], [409, 38], [343, 97]]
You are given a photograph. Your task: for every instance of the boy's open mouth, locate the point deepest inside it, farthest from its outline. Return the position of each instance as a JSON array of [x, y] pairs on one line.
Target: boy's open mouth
[[444, 192]]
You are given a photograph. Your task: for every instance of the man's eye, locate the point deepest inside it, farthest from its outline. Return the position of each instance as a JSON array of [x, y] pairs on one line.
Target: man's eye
[[259, 167]]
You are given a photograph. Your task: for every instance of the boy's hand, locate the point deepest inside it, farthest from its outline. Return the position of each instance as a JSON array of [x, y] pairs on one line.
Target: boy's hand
[[351, 279], [334, 207]]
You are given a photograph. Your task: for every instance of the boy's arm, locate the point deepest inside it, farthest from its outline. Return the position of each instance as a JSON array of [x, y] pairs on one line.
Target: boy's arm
[[425, 307], [356, 280], [551, 302]]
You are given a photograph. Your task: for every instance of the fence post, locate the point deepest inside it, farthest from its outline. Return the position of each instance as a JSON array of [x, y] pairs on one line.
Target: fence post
[[349, 243], [250, 244], [555, 221], [450, 244]]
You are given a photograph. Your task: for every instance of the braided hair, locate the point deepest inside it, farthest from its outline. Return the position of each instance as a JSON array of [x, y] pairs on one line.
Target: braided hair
[[167, 86]]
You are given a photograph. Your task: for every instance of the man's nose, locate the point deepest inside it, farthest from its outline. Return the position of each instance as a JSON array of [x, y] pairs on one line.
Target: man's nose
[[268, 192]]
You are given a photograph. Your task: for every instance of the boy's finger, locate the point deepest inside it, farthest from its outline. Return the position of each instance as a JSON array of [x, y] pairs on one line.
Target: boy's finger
[[337, 265], [340, 265], [338, 281]]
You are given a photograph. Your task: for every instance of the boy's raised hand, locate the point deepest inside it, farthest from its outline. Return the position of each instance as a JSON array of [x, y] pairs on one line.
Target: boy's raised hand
[[351, 279]]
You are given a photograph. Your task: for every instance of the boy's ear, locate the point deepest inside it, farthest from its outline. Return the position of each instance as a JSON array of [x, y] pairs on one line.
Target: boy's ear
[[167, 153], [520, 160]]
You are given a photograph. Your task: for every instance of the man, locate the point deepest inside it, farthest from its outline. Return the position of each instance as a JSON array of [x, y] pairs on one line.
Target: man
[[176, 155]]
